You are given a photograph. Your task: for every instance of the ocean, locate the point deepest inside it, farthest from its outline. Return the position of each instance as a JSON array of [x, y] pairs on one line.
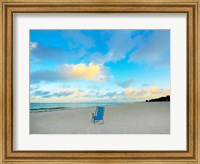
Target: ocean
[[48, 107]]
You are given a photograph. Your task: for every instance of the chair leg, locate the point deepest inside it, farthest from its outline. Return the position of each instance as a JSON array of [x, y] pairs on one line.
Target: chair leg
[[102, 122]]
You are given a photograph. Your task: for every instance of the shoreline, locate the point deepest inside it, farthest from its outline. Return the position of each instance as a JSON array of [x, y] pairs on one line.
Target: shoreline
[[37, 110], [71, 108]]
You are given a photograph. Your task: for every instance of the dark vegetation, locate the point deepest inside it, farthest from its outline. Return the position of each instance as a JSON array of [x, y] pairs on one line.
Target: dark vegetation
[[167, 98]]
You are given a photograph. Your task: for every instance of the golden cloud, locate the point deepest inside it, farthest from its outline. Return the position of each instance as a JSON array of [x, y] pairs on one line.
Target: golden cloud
[[146, 93], [82, 71], [92, 71]]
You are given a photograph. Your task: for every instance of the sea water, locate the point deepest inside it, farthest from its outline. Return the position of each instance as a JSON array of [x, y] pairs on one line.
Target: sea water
[[47, 107]]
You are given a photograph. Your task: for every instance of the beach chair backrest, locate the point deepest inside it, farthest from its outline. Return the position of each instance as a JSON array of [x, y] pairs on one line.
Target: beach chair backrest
[[99, 113]]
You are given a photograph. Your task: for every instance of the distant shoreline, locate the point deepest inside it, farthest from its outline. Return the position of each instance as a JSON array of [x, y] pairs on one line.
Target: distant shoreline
[[160, 99]]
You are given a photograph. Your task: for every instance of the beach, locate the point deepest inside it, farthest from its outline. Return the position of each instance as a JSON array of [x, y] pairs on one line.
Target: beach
[[131, 118]]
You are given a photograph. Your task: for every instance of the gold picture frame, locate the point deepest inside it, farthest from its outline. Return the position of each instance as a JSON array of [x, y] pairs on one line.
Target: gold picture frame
[[10, 7]]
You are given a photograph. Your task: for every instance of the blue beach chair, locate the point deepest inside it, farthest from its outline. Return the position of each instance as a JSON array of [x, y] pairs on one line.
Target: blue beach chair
[[98, 116]]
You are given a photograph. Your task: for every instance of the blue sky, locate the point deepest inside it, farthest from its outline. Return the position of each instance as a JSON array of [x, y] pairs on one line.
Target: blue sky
[[99, 65]]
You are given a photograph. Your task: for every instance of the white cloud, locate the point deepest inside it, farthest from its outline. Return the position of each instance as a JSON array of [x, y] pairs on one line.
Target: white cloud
[[65, 95], [126, 83], [151, 47], [77, 38], [154, 50], [33, 45], [119, 43]]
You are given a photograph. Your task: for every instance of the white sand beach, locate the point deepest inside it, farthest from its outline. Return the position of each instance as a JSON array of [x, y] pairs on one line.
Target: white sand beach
[[135, 118]]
